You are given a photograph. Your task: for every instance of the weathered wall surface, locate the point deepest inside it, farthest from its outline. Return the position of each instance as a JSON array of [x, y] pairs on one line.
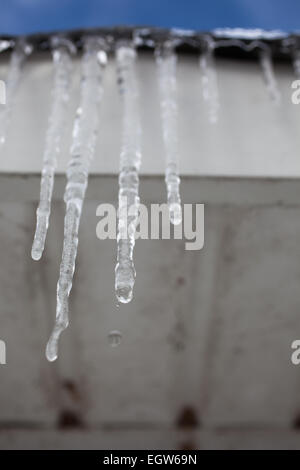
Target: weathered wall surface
[[204, 360]]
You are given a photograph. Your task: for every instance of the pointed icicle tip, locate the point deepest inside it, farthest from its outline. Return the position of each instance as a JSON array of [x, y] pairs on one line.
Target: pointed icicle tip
[[36, 254], [175, 214]]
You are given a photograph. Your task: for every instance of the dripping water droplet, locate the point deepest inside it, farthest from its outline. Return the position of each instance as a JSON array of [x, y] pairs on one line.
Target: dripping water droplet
[[124, 294], [114, 338]]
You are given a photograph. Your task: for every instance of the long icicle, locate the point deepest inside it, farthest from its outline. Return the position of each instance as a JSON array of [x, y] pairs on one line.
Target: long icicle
[[62, 49], [210, 81], [269, 76], [166, 65], [82, 151], [18, 57], [130, 161]]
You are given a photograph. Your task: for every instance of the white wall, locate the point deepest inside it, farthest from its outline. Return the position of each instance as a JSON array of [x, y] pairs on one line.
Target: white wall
[[205, 356]]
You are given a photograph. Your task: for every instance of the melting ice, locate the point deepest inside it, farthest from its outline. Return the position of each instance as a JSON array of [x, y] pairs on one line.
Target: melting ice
[[166, 65], [18, 57], [130, 161]]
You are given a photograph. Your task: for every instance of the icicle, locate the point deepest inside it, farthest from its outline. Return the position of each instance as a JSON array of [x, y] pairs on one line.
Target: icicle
[[21, 50], [210, 81], [82, 151], [269, 76], [166, 66], [62, 49], [130, 161], [114, 338]]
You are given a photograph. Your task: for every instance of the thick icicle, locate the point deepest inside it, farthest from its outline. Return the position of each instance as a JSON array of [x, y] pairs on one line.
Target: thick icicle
[[130, 160], [62, 49], [210, 81], [82, 151], [21, 50], [269, 76], [166, 65]]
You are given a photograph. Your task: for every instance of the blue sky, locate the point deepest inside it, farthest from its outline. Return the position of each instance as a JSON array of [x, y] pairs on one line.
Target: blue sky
[[26, 16]]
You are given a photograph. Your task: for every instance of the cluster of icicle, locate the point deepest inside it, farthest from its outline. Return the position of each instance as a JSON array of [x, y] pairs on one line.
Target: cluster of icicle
[[84, 136]]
